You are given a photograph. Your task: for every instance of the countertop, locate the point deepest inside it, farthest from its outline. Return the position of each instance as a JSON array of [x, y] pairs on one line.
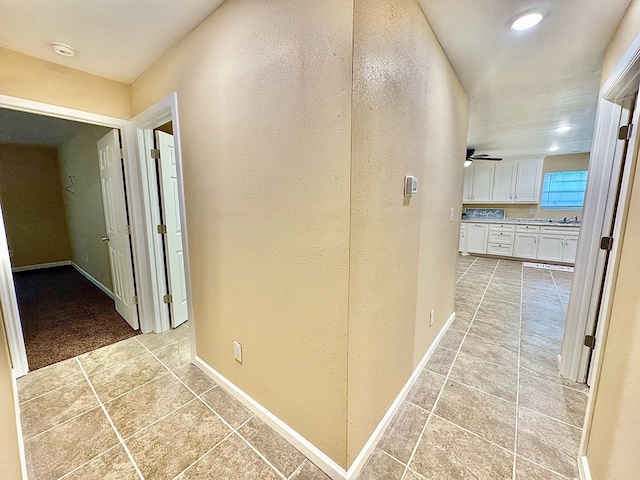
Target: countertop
[[544, 222]]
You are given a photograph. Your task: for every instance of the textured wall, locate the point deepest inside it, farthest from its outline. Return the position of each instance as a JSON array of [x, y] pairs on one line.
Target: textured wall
[[31, 197], [626, 33], [410, 116], [78, 157], [264, 92], [34, 79]]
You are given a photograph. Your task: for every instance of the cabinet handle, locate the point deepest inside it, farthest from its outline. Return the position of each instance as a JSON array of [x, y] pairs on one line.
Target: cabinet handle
[[516, 196], [535, 240]]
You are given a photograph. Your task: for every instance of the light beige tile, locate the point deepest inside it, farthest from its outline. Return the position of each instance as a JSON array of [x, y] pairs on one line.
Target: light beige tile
[[140, 407], [381, 466], [403, 432], [233, 459], [308, 471], [175, 354], [441, 361], [499, 381], [465, 310], [58, 451], [497, 311], [556, 378], [504, 355], [448, 452], [460, 324], [280, 453], [169, 446], [545, 327], [525, 470], [113, 382], [539, 355], [193, 377], [231, 410], [153, 341], [553, 400], [451, 339], [426, 389], [491, 418], [504, 333], [503, 292], [55, 407], [111, 355], [113, 465], [48, 378], [548, 442]]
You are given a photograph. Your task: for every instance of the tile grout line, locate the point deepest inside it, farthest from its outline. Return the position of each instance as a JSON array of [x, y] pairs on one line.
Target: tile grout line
[[468, 268], [89, 461], [553, 418], [61, 423], [215, 413], [543, 467], [51, 391], [564, 307], [115, 430], [515, 438], [435, 404]]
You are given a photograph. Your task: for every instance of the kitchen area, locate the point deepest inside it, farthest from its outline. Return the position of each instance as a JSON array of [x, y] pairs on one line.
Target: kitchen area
[[526, 209]]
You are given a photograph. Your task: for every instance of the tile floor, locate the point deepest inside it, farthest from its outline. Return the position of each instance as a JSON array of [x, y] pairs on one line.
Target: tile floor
[[139, 410], [490, 404]]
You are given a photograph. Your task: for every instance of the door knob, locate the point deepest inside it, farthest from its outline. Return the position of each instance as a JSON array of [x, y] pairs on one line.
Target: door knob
[[105, 238]]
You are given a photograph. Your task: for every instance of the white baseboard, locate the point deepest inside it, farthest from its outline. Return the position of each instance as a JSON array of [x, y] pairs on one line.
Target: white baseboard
[[41, 265], [314, 454], [583, 468], [368, 448], [16, 406], [331, 468], [93, 280]]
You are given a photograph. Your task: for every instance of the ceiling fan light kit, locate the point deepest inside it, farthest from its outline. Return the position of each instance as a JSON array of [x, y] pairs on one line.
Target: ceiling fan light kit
[[526, 21], [63, 49]]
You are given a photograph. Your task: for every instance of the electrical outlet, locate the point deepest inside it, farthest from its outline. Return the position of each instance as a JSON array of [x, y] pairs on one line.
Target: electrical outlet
[[451, 215], [532, 211], [237, 351], [431, 315]]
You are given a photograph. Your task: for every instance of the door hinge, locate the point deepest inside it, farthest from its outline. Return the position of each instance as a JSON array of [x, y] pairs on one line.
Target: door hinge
[[606, 243], [135, 299], [127, 229], [625, 132], [589, 341], [155, 154], [162, 229], [122, 153], [167, 299]]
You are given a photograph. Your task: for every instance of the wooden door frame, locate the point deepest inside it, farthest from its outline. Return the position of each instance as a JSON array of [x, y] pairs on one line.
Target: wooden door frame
[[136, 211]]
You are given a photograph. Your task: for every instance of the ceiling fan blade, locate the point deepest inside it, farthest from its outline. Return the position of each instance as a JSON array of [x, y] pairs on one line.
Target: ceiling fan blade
[[485, 157]]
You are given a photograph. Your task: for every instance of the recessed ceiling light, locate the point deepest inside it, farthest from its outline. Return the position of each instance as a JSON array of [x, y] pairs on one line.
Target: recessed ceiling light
[[554, 148], [563, 128], [62, 49], [526, 21]]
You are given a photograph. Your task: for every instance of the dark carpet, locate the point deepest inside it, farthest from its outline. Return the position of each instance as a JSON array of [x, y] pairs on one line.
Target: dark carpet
[[63, 315]]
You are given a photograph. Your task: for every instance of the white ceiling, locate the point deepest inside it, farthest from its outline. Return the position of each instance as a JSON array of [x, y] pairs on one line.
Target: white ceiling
[[523, 85], [520, 85], [31, 129], [116, 39]]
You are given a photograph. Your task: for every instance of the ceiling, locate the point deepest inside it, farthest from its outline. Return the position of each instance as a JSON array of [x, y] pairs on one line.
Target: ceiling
[[31, 129], [116, 39], [522, 85]]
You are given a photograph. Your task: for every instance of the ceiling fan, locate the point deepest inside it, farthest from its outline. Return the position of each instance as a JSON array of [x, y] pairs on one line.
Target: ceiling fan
[[471, 156]]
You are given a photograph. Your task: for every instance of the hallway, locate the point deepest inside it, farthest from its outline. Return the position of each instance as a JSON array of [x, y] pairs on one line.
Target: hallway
[[490, 404]]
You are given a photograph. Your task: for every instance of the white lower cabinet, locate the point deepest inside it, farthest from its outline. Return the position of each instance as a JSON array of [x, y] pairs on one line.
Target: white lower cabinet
[[526, 245], [462, 245], [500, 249], [477, 235], [558, 245], [550, 247], [570, 248]]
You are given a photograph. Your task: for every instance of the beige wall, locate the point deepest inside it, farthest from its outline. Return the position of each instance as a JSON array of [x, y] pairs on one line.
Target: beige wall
[[410, 116], [9, 450], [34, 79], [552, 163], [78, 157], [613, 445], [264, 91], [31, 196]]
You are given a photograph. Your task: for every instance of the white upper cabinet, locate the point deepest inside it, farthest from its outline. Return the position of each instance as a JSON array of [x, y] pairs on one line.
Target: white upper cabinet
[[504, 181], [527, 187], [467, 195], [478, 182]]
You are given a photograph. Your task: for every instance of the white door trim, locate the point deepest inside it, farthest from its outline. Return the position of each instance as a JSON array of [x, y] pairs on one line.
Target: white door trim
[[158, 114], [138, 240]]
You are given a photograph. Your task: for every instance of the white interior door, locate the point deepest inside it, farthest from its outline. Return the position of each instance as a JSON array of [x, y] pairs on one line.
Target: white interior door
[[115, 215], [173, 239]]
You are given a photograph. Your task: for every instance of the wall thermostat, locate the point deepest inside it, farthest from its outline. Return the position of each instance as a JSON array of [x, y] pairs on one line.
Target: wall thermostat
[[410, 186]]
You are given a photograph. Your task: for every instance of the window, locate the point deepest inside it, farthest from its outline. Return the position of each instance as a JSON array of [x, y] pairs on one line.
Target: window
[[563, 190]]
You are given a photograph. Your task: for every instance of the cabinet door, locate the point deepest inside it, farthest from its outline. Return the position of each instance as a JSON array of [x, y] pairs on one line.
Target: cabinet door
[[504, 181], [570, 247], [527, 188], [526, 245], [482, 186], [467, 192], [550, 247], [477, 238], [462, 243]]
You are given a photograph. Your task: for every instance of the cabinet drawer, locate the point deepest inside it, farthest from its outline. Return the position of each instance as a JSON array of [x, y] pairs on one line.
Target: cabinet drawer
[[500, 249], [527, 229], [501, 237], [567, 231], [499, 227]]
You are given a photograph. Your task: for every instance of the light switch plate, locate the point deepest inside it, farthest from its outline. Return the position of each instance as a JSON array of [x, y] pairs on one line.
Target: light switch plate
[[237, 351], [410, 186]]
